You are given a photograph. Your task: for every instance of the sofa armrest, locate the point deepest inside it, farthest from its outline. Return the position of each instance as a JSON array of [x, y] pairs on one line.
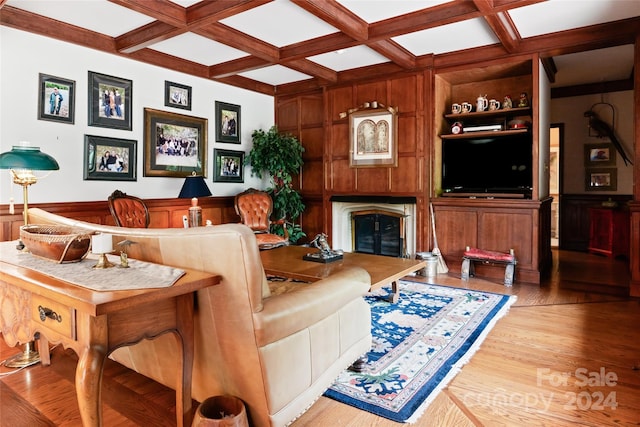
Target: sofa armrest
[[285, 314]]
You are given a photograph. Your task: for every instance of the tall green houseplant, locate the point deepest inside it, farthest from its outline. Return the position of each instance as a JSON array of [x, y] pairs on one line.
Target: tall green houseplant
[[280, 155]]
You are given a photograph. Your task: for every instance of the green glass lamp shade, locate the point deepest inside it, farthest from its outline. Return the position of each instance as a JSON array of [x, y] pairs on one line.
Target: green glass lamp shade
[[26, 157]]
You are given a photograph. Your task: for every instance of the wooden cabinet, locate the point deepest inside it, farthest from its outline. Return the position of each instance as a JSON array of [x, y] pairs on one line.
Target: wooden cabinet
[[609, 232], [503, 209]]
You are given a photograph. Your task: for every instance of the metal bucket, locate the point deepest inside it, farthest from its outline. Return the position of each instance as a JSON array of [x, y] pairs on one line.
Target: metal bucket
[[431, 270]]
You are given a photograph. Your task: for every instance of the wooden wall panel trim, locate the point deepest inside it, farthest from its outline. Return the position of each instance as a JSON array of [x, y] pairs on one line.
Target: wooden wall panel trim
[[164, 213]]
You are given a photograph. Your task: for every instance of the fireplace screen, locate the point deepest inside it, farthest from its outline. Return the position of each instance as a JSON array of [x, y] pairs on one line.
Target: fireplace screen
[[378, 232]]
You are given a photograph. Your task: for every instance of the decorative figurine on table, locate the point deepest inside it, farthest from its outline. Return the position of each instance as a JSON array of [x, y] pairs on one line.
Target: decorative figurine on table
[[326, 254], [507, 103], [124, 258], [524, 100]]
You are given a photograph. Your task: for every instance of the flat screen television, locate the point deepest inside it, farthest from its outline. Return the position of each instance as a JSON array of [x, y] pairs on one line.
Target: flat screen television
[[499, 165]]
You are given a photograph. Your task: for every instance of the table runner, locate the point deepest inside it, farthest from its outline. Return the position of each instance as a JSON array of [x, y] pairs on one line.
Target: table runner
[[139, 275]]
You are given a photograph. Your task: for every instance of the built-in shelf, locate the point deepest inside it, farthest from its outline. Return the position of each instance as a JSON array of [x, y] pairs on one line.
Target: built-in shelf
[[518, 111], [483, 134]]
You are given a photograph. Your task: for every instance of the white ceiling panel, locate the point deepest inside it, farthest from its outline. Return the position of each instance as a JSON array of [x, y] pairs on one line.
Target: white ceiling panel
[[448, 38], [559, 15], [185, 3], [275, 75], [198, 49], [353, 57], [100, 16], [614, 63], [378, 10], [279, 23]]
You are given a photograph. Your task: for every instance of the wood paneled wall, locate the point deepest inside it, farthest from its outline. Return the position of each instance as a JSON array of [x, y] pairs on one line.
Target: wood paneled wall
[[164, 213], [315, 119]]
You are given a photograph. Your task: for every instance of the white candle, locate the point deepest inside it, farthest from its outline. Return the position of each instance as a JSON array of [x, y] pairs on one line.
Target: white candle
[[101, 244]]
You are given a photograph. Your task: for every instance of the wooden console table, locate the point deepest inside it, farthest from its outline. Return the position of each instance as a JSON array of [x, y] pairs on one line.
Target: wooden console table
[[94, 323]]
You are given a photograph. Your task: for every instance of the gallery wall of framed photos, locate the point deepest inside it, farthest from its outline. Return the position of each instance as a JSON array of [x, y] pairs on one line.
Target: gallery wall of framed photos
[[69, 125]]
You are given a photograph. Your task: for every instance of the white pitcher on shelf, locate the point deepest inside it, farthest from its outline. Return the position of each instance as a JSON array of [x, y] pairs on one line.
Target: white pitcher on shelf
[[482, 103]]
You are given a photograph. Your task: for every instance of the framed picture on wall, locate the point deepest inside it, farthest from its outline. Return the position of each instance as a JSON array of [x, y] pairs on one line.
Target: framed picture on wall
[[57, 99], [109, 159], [227, 122], [177, 95], [373, 138], [601, 179], [229, 166], [110, 101], [175, 145], [598, 155]]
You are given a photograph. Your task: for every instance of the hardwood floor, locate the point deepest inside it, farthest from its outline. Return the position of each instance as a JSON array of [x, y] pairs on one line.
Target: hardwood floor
[[542, 364]]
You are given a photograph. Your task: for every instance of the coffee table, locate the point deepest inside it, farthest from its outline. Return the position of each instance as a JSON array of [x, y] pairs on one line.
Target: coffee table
[[287, 262]]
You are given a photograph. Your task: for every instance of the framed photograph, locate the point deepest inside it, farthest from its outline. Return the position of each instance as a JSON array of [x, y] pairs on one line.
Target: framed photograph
[[110, 101], [373, 138], [227, 122], [229, 166], [174, 144], [597, 155], [109, 159], [177, 95], [57, 99], [601, 179]]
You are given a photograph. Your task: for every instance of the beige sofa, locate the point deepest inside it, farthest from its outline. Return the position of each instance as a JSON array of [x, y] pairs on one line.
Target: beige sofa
[[278, 353]]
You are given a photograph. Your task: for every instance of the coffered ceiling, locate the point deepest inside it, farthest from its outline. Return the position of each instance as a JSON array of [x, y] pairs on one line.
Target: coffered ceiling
[[285, 46]]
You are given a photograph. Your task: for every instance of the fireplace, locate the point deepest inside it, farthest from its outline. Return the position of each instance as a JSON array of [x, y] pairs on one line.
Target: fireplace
[[374, 224], [378, 232]]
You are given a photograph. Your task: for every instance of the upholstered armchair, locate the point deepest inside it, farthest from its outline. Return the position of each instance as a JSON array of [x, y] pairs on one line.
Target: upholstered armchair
[[128, 211], [255, 208], [278, 352]]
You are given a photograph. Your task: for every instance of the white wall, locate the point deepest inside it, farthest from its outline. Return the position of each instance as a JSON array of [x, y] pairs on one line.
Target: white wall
[[570, 111], [24, 55], [543, 133]]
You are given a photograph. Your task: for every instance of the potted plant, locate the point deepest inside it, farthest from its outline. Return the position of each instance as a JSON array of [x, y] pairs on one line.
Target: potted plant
[[280, 155]]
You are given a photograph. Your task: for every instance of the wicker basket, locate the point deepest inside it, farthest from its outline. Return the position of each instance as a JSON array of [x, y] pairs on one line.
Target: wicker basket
[[56, 243]]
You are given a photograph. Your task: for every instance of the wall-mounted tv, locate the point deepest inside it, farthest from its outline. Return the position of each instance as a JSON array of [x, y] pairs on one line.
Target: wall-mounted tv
[[499, 165]]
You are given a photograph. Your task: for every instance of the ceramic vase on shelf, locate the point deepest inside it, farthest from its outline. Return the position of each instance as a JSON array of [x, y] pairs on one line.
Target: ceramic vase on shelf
[[221, 411]]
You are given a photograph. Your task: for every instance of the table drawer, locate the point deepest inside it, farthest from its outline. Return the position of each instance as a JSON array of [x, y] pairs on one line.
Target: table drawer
[[53, 315]]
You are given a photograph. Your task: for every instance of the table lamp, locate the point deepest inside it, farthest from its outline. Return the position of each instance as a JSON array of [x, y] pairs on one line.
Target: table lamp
[[22, 160], [194, 186]]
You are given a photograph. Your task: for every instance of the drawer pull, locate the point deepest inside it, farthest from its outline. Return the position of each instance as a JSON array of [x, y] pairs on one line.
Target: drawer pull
[[47, 312]]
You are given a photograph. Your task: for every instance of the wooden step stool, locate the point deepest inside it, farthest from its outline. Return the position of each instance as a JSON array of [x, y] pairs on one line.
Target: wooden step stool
[[489, 257]]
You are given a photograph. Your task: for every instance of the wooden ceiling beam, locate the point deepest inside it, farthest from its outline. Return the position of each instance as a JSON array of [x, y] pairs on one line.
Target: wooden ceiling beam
[[240, 65], [501, 24], [317, 46], [173, 20], [314, 69], [249, 84], [432, 17], [241, 41], [338, 16], [147, 35], [164, 60], [395, 52], [208, 12], [162, 10]]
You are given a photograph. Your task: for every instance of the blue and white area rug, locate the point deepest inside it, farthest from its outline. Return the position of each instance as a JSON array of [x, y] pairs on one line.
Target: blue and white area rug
[[419, 345]]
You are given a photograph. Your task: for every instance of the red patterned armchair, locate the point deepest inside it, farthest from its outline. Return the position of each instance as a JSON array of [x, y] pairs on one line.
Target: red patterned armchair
[[128, 211], [254, 208]]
